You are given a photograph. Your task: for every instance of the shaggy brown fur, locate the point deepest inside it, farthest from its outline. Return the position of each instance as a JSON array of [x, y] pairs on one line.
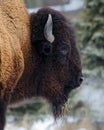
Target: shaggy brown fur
[[54, 75], [49, 74]]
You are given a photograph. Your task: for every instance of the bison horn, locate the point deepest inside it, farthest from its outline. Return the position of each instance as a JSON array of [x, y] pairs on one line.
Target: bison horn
[[48, 29]]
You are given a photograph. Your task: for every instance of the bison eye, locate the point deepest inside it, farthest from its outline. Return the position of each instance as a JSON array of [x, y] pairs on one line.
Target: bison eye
[[63, 53], [64, 49], [63, 56]]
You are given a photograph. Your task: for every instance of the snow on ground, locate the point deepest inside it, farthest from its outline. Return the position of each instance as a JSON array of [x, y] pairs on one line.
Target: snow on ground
[[35, 125], [47, 124], [92, 95]]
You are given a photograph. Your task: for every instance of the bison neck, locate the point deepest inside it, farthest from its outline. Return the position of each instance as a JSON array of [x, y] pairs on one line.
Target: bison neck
[[25, 87]]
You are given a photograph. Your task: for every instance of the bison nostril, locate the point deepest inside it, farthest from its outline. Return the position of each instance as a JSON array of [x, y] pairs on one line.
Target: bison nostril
[[81, 79]]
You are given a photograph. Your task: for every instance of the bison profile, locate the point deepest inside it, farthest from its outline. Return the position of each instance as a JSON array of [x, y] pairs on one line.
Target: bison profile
[[57, 57], [52, 65]]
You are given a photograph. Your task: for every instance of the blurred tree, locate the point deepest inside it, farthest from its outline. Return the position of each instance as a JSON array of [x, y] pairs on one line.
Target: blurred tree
[[34, 3], [91, 36], [42, 3]]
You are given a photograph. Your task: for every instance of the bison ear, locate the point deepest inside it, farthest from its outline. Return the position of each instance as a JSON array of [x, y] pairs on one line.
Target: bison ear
[[48, 29]]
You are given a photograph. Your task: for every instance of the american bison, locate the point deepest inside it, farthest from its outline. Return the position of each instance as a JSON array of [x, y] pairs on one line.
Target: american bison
[[48, 66]]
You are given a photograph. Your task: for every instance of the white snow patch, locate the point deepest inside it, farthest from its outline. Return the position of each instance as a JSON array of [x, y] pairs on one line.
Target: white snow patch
[[42, 125], [81, 129]]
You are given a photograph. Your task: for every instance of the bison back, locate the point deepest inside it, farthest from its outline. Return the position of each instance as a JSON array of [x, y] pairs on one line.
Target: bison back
[[14, 39]]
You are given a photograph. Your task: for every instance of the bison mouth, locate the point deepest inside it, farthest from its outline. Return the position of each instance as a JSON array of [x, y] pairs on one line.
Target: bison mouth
[[58, 106]]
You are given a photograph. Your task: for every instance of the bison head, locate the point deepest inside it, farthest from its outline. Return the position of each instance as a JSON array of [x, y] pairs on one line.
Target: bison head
[[57, 57]]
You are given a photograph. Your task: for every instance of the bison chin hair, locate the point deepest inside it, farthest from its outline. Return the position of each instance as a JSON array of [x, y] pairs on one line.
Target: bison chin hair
[[59, 107], [58, 110]]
